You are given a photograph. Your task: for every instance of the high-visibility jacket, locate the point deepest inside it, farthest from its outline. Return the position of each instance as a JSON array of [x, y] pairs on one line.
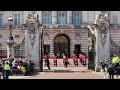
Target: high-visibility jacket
[[116, 60], [23, 69], [7, 67]]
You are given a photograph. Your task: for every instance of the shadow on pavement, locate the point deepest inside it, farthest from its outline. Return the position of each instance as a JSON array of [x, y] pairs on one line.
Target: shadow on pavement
[[64, 71]]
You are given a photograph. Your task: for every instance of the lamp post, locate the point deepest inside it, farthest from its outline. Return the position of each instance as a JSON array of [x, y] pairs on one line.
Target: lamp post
[[10, 19], [10, 42], [41, 60]]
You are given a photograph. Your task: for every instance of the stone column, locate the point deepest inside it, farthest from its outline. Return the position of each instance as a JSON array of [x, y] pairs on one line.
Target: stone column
[[10, 49], [97, 51], [119, 17], [84, 17], [25, 15], [40, 15], [54, 17], [51, 49], [69, 17]]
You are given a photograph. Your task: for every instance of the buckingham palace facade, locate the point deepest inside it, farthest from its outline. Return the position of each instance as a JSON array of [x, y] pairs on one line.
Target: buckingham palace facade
[[63, 30]]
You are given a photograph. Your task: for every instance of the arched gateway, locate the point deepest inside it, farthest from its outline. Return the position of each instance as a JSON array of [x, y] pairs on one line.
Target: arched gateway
[[61, 44]]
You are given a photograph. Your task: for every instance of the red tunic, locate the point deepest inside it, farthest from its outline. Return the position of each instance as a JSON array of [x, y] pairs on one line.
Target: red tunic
[[46, 57], [55, 58], [0, 55], [76, 58], [81, 56], [85, 58]]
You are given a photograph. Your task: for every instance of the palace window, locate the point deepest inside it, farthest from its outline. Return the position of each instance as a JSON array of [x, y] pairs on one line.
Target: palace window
[[17, 19], [47, 17], [62, 17], [76, 17], [0, 19]]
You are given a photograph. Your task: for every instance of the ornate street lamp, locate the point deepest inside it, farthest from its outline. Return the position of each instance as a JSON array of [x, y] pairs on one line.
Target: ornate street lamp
[[10, 42], [10, 19]]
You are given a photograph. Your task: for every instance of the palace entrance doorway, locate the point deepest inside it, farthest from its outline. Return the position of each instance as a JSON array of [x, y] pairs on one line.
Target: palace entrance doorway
[[62, 44]]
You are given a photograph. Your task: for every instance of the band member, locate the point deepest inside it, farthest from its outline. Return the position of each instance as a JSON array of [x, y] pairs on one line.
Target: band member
[[80, 57], [47, 62], [55, 60], [73, 55], [65, 60], [75, 60], [84, 60]]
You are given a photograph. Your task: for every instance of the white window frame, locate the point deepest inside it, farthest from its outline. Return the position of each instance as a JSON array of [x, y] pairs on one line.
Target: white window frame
[[75, 17], [47, 16], [65, 17], [18, 17]]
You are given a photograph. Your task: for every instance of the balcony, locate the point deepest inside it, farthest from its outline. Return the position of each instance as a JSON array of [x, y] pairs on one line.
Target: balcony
[[48, 26], [65, 26], [114, 26]]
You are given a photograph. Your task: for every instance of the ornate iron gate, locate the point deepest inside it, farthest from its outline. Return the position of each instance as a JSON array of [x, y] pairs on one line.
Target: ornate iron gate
[[91, 51]]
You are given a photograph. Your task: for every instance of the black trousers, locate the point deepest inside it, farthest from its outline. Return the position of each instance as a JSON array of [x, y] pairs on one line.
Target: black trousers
[[27, 71], [76, 63], [55, 63], [80, 60], [48, 64], [65, 64], [7, 72]]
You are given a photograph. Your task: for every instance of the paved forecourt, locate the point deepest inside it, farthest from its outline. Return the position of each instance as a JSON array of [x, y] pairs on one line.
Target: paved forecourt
[[60, 72]]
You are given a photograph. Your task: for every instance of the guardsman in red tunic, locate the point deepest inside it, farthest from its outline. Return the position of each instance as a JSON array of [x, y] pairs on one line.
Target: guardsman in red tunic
[[73, 56], [75, 60], [65, 60], [84, 60], [81, 57], [63, 55], [47, 62], [55, 60]]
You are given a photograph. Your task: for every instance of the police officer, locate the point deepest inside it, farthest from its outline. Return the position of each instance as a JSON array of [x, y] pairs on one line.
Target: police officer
[[116, 60], [7, 69]]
